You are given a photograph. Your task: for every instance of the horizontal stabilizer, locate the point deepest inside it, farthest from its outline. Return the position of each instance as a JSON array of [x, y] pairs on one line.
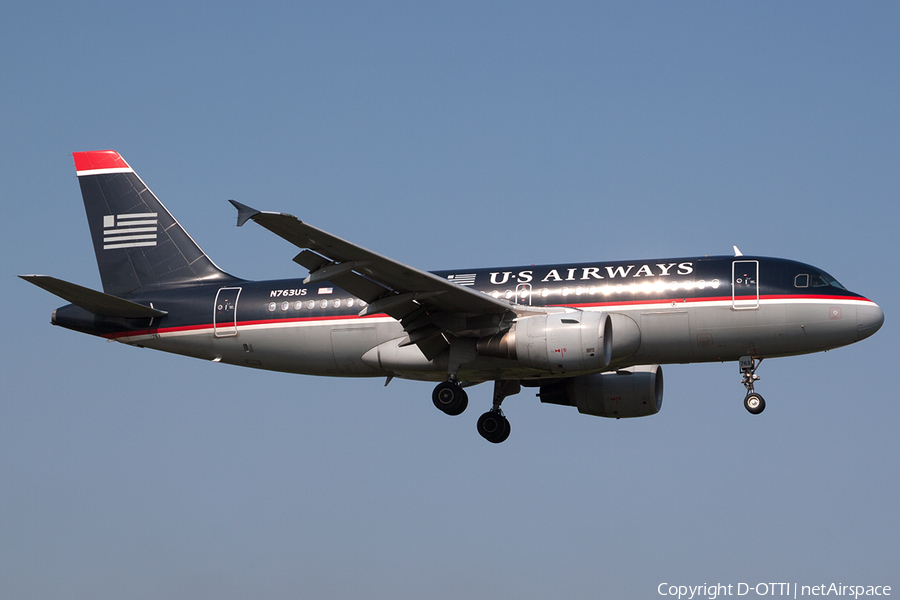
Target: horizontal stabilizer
[[92, 301]]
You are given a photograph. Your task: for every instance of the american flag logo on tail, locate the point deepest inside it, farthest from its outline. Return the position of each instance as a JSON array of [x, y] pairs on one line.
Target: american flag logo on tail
[[129, 231]]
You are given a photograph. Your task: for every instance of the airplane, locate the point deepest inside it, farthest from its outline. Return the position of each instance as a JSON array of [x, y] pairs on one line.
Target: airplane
[[588, 335]]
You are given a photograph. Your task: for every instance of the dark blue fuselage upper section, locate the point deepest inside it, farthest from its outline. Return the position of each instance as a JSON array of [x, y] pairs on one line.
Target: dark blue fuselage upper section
[[745, 279]]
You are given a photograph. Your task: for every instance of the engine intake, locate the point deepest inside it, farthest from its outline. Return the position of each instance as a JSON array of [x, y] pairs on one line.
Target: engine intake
[[632, 392]]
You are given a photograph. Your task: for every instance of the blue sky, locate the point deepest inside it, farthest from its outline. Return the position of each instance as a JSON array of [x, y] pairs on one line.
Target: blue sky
[[447, 136]]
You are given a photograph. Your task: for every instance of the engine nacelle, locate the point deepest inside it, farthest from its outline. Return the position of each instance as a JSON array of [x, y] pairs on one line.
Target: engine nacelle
[[632, 392], [556, 342]]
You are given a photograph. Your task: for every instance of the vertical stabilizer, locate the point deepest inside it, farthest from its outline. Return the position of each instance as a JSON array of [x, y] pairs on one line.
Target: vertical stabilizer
[[138, 243]]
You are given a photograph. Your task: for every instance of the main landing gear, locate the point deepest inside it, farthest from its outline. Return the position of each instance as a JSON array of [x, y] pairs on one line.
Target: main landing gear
[[492, 425], [451, 398], [753, 402]]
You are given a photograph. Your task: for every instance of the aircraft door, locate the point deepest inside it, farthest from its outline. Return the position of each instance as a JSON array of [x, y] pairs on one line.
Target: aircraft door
[[745, 284], [523, 294], [225, 312]]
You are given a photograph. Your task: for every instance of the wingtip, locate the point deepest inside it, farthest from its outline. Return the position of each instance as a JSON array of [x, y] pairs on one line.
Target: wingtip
[[245, 213]]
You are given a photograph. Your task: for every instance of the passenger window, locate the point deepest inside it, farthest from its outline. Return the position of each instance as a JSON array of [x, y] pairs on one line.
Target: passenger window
[[285, 305], [801, 281], [298, 305], [311, 304], [337, 303], [324, 304], [350, 303], [272, 306]]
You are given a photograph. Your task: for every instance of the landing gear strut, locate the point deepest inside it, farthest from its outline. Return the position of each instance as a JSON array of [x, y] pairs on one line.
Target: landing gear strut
[[492, 425], [753, 402], [450, 397]]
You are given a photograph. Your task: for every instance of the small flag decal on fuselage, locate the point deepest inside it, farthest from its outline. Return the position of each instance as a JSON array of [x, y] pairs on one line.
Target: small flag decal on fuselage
[[129, 231], [463, 278]]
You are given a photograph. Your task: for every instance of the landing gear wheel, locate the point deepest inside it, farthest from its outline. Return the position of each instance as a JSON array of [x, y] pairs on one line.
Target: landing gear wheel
[[493, 426], [450, 398], [754, 403]]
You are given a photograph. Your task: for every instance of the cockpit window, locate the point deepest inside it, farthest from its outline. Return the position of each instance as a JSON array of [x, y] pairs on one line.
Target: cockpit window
[[801, 281], [823, 279]]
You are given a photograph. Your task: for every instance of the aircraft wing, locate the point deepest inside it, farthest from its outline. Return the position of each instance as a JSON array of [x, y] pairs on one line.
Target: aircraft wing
[[426, 305]]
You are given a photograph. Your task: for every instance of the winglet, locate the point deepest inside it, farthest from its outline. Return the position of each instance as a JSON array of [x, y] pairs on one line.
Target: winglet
[[245, 213]]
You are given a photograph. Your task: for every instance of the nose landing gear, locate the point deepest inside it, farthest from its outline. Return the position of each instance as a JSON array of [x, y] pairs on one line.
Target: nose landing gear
[[753, 402]]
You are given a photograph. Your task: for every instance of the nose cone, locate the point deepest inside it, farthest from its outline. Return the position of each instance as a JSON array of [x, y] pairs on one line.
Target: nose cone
[[869, 319]]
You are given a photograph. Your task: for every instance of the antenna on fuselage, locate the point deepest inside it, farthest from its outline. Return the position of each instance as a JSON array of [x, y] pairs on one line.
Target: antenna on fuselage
[[737, 252]]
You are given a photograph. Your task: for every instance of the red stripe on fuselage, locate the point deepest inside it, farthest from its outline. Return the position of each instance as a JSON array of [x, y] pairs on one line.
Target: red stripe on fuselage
[[708, 299], [183, 328], [611, 303]]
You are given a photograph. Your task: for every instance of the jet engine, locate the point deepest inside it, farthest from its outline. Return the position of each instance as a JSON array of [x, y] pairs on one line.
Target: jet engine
[[632, 392], [556, 342]]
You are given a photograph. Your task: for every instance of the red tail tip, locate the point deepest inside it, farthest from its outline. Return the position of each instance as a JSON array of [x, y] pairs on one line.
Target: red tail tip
[[99, 159]]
